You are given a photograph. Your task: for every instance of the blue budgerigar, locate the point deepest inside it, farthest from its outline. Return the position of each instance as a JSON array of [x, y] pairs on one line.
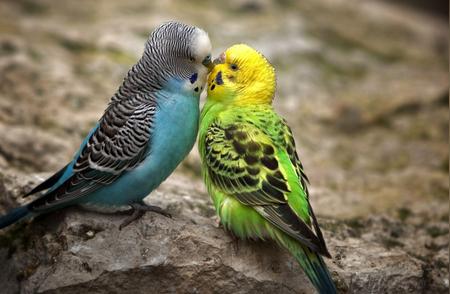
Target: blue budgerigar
[[149, 126]]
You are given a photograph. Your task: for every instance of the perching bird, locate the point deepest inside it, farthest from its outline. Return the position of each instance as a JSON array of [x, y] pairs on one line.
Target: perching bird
[[250, 164], [149, 126]]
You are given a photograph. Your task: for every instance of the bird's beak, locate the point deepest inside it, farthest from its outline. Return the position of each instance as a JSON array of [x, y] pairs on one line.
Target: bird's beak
[[208, 63], [220, 59]]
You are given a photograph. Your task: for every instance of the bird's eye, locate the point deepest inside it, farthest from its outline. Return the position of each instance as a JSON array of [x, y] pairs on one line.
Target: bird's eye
[[192, 59], [234, 66]]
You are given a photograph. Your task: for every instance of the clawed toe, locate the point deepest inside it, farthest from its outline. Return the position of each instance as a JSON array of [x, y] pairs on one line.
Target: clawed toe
[[138, 210], [137, 214], [156, 209]]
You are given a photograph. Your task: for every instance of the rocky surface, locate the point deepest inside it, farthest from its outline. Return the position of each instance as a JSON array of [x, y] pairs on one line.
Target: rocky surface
[[75, 251], [364, 86]]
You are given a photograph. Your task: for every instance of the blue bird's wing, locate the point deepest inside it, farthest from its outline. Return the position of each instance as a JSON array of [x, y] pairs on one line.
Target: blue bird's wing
[[63, 174], [50, 182], [119, 143]]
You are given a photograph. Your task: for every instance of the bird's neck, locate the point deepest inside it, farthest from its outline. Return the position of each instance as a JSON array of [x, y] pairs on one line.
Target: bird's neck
[[239, 95], [213, 109]]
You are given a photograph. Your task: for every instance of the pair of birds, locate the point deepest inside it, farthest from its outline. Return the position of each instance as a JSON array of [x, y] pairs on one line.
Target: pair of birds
[[250, 164]]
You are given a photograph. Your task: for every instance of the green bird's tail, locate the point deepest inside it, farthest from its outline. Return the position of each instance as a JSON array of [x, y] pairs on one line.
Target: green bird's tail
[[312, 264]]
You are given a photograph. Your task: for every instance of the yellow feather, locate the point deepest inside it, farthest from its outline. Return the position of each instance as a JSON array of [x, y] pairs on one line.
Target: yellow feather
[[243, 76]]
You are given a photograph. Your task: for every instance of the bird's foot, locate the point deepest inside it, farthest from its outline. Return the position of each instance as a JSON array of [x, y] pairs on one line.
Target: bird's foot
[[138, 210], [217, 222]]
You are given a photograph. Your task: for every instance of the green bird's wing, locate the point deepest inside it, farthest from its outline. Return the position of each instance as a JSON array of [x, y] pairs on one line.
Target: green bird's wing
[[289, 147], [259, 166]]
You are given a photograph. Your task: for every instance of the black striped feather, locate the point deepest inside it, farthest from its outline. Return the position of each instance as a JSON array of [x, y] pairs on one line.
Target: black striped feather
[[119, 144], [239, 165]]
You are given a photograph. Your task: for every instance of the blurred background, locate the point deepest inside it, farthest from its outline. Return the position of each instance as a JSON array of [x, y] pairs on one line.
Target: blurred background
[[363, 85]]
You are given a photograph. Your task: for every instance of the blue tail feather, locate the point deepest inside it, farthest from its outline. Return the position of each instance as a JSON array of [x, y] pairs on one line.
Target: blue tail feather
[[316, 270], [321, 278], [13, 216], [312, 263]]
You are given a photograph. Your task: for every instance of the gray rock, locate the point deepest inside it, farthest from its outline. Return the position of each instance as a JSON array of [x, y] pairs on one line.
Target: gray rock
[[76, 251]]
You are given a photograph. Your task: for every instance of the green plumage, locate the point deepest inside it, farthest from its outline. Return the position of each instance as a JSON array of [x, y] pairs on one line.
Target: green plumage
[[257, 182]]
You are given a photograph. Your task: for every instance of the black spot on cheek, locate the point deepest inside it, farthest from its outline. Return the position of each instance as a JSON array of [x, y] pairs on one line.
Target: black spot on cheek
[[212, 87], [196, 89], [193, 78], [219, 79]]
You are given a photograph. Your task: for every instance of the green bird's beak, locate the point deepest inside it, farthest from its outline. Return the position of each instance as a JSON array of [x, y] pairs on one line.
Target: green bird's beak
[[220, 59]]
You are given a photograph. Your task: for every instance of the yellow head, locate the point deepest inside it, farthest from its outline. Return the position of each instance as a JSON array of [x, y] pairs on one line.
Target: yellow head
[[242, 76]]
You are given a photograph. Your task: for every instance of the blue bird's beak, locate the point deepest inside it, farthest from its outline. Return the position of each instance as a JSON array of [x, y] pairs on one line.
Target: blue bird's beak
[[208, 63]]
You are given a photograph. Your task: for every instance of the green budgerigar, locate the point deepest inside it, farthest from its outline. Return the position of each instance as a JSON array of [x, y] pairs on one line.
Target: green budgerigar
[[250, 164]]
